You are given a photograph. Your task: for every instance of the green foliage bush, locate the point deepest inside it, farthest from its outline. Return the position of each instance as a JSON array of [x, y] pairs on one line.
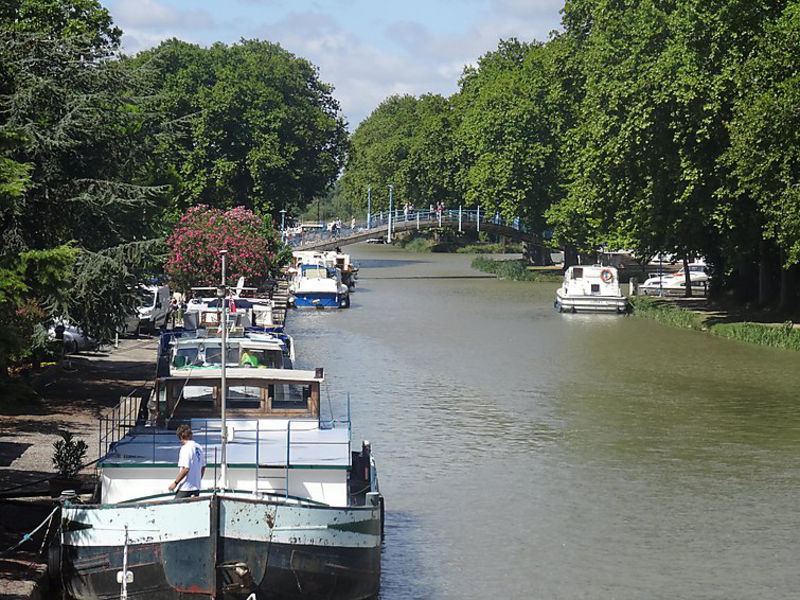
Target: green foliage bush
[[666, 313], [513, 270], [68, 455], [784, 336]]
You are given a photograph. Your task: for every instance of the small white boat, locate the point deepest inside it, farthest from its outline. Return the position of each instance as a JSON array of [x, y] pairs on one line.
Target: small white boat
[[674, 284], [315, 284], [590, 289]]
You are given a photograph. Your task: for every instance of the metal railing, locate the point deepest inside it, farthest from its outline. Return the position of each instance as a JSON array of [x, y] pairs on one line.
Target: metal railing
[[401, 219], [128, 414], [124, 419]]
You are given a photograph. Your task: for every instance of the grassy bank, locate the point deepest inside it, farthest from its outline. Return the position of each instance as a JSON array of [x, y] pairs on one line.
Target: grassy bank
[[445, 240], [514, 270], [667, 313], [782, 335]]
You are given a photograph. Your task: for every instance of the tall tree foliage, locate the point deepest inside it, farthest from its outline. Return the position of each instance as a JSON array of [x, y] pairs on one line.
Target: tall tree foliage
[[763, 194], [260, 129], [511, 132], [76, 143]]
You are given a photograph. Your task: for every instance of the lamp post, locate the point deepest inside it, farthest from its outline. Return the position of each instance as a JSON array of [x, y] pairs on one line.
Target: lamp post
[[222, 293], [391, 187], [369, 207], [283, 225]]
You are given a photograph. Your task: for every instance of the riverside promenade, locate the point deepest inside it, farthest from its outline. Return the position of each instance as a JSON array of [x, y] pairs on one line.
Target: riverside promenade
[[71, 397]]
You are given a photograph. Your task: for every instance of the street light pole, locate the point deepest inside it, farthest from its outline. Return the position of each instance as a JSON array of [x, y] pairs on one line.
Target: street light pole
[[283, 225], [391, 187], [222, 293]]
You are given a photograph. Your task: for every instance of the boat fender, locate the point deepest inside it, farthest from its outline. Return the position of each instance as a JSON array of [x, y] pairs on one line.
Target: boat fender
[[606, 275]]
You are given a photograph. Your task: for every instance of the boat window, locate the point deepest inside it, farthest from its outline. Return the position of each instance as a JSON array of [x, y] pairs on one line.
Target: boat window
[[577, 273], [291, 396], [261, 358], [595, 287], [214, 355], [315, 272], [185, 357]]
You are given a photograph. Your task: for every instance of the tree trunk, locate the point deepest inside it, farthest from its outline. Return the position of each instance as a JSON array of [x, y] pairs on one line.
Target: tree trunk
[[687, 278], [765, 291], [533, 254], [787, 286], [570, 256]]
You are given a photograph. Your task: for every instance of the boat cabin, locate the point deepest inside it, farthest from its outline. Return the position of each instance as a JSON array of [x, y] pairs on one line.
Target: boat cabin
[[277, 443], [591, 280], [251, 350]]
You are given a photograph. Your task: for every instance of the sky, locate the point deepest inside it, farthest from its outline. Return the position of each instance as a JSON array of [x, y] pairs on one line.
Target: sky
[[366, 49]]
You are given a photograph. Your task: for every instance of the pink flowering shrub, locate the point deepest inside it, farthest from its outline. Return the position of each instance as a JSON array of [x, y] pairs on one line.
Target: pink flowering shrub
[[194, 258]]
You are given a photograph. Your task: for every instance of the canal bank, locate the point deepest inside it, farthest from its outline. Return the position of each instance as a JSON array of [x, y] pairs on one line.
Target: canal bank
[[70, 398], [701, 315]]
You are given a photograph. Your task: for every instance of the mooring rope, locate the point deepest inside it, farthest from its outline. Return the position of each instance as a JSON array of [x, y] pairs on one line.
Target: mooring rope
[[28, 536]]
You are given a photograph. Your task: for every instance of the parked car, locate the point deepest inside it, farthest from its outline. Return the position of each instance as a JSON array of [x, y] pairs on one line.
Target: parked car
[[75, 340]]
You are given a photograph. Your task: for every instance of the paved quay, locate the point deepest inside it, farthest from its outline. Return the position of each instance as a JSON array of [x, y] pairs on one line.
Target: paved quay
[[71, 397]]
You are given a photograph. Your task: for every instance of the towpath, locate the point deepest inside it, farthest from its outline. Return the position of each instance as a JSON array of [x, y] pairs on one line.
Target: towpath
[[72, 396]]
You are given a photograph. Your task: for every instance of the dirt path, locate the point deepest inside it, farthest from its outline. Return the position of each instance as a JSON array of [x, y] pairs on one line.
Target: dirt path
[[72, 397]]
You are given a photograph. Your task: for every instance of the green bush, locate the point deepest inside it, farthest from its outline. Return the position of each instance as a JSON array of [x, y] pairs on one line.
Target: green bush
[[68, 455], [783, 336], [666, 313], [514, 270], [416, 244]]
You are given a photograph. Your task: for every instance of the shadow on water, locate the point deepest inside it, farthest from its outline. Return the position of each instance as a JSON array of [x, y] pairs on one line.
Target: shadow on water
[[383, 263], [403, 573]]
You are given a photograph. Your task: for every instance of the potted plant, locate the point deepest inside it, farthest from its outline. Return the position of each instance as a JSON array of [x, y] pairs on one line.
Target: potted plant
[[68, 456]]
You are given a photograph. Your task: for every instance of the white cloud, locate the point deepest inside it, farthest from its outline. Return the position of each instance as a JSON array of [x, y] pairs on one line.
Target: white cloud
[[400, 57], [155, 15]]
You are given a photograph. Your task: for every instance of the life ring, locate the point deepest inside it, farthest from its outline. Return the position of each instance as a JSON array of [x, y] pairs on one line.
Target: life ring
[[606, 275]]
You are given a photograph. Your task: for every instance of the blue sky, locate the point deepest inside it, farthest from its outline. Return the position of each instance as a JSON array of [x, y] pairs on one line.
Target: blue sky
[[367, 50]]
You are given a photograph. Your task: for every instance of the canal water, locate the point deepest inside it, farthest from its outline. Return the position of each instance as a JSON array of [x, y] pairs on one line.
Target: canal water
[[529, 454]]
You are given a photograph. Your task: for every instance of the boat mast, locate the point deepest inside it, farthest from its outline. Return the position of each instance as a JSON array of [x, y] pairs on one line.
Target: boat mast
[[222, 297]]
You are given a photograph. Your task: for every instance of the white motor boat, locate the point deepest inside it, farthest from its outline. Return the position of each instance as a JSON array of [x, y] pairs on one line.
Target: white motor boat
[[674, 284], [590, 289], [315, 284]]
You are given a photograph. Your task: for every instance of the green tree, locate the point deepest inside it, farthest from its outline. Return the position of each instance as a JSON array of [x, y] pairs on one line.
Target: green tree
[[260, 129], [511, 131], [764, 154]]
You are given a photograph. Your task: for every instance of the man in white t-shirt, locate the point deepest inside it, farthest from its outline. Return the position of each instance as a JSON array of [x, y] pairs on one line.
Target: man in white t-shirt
[[191, 465]]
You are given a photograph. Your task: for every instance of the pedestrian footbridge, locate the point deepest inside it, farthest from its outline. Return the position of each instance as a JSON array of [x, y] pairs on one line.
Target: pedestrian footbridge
[[383, 226]]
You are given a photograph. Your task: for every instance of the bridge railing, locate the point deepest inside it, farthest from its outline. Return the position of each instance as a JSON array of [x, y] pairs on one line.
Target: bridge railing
[[378, 223]]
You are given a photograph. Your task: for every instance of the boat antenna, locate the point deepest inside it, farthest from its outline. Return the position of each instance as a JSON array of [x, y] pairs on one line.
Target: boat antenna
[[222, 296]]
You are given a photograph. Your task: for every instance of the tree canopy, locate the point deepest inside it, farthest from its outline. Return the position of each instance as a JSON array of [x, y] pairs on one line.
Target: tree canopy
[[642, 125], [260, 130]]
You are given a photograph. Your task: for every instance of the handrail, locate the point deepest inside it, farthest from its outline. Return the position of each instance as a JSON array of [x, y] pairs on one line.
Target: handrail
[[378, 222], [299, 499]]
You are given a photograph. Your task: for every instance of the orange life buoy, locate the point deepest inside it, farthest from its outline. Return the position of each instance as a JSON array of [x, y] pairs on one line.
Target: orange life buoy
[[606, 275]]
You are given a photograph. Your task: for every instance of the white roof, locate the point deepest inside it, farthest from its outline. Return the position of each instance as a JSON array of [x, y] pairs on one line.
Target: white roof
[[254, 440], [249, 374]]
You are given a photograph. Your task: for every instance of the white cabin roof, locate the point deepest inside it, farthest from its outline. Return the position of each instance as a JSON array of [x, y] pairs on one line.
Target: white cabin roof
[[255, 441], [245, 374]]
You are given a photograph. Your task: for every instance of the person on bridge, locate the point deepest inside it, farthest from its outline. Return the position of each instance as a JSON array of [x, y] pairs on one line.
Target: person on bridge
[[353, 223]]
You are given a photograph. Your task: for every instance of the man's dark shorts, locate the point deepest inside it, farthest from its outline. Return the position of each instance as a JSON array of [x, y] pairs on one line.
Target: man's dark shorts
[[186, 494]]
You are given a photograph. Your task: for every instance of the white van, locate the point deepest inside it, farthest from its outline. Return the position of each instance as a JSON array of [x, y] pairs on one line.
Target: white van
[[153, 312]]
